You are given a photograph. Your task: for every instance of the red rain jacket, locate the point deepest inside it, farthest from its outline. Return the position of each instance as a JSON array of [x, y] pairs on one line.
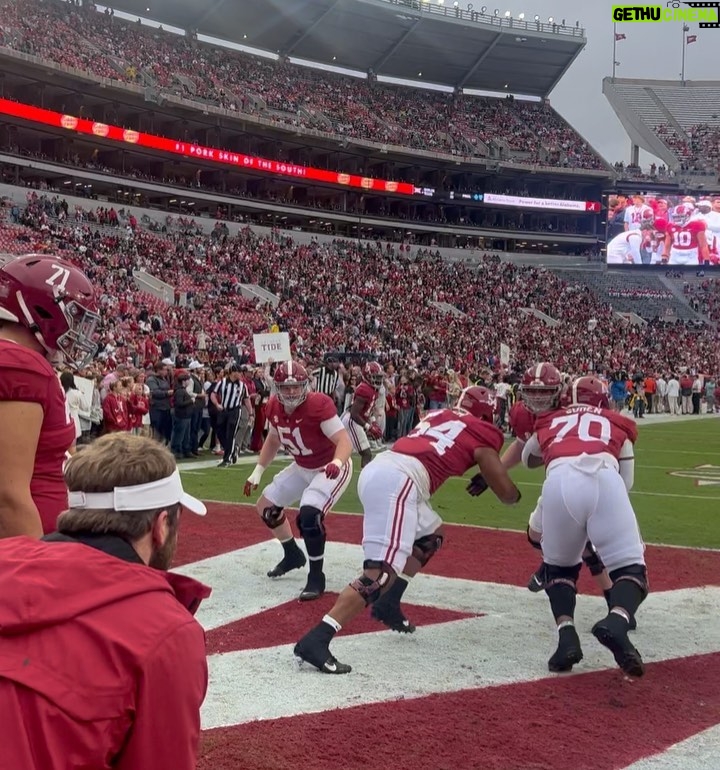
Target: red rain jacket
[[102, 664]]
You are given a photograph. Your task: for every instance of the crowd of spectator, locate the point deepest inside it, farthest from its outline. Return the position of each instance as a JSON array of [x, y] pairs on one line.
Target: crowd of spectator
[[79, 37], [704, 297], [372, 299], [697, 148]]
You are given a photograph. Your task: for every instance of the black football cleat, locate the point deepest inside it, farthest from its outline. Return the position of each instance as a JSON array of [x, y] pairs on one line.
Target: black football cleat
[[313, 649], [568, 651], [611, 632], [314, 588], [392, 616], [537, 580], [295, 560]]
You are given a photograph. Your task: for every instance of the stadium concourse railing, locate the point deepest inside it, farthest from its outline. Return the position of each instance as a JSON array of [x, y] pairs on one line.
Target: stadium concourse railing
[[159, 96], [454, 11], [252, 205]]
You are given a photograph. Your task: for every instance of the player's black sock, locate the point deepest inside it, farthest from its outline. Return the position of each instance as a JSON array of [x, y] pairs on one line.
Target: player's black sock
[[315, 547], [606, 594], [395, 593], [290, 546]]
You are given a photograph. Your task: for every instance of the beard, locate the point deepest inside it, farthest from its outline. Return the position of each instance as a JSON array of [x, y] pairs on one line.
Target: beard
[[162, 556]]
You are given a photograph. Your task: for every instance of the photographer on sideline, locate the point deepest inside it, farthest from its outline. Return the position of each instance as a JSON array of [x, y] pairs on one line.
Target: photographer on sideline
[[102, 663]]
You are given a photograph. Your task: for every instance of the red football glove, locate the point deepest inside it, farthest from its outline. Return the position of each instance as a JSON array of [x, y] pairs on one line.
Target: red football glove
[[332, 470], [249, 488], [375, 431]]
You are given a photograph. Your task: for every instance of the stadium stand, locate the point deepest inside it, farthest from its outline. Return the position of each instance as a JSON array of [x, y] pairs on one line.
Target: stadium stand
[[293, 96], [681, 120], [364, 298]]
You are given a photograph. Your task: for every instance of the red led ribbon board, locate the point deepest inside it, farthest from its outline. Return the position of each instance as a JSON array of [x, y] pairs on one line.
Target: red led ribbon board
[[189, 150]]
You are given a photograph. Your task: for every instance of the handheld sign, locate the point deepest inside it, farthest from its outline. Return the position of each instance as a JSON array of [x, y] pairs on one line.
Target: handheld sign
[[271, 346]]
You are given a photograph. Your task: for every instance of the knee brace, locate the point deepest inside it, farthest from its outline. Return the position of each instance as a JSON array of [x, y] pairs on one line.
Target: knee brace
[[273, 516], [310, 521], [370, 588], [426, 547], [532, 542], [560, 587], [592, 561], [633, 573]]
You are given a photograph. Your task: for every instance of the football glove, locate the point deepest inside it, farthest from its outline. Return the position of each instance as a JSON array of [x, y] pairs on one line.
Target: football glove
[[477, 485]]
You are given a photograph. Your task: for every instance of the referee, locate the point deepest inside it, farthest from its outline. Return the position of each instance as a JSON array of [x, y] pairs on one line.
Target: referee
[[326, 377], [229, 396]]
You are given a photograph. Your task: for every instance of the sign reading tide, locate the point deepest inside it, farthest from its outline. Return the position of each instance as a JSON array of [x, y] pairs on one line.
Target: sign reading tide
[[271, 347]]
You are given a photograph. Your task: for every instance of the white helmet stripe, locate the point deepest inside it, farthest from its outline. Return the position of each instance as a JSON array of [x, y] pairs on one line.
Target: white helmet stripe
[[290, 368], [538, 369], [574, 391]]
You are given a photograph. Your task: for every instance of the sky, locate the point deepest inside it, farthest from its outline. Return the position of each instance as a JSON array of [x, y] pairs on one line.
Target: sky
[[650, 51]]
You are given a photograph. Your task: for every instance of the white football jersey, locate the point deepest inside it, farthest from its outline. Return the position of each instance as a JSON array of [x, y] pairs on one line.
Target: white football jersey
[[712, 233], [625, 249], [636, 215]]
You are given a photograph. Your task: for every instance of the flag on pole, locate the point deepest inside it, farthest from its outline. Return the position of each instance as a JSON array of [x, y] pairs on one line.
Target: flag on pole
[[692, 38], [620, 36]]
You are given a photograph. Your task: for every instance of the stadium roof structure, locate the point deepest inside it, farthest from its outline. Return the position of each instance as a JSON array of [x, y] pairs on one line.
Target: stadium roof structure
[[658, 114], [421, 40]]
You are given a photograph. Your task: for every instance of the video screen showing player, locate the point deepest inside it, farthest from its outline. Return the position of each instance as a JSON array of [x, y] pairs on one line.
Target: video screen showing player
[[654, 229]]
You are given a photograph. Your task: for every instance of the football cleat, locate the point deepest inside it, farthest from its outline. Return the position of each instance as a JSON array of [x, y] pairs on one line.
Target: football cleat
[[568, 651], [537, 580], [392, 616], [313, 649], [295, 560], [314, 588], [611, 632]]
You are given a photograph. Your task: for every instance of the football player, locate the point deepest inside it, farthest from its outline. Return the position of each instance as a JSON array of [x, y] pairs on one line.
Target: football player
[[712, 231], [401, 532], [47, 313], [359, 419], [627, 248], [588, 453], [543, 385], [638, 213], [685, 242], [307, 426]]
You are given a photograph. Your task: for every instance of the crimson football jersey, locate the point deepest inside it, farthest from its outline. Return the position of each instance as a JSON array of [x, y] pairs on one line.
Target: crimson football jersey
[[685, 238], [582, 429], [26, 376], [369, 395], [445, 443], [306, 432], [522, 422]]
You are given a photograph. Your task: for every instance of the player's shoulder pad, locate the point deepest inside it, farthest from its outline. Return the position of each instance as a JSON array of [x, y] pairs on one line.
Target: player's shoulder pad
[[24, 374], [364, 390], [488, 434], [624, 423], [321, 406]]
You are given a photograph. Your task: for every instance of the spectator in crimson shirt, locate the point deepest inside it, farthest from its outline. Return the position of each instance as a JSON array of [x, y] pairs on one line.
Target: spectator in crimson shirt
[[115, 409]]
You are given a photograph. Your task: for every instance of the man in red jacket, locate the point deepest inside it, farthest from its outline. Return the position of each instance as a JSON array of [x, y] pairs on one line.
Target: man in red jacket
[[102, 664]]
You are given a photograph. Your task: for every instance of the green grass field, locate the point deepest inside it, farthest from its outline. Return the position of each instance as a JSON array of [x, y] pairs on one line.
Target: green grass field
[[671, 509]]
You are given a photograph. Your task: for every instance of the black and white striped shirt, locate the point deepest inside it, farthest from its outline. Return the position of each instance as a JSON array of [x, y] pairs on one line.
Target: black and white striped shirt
[[326, 381], [231, 394]]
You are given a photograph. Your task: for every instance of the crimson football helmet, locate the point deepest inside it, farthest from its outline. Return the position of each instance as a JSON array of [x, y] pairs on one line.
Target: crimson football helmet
[[589, 390], [541, 388], [479, 402], [292, 385], [373, 374], [55, 301], [681, 214]]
